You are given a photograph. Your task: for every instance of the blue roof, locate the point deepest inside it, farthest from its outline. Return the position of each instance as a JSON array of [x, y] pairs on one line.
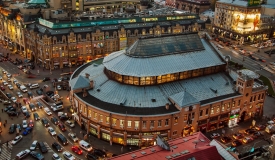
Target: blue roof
[[37, 2]]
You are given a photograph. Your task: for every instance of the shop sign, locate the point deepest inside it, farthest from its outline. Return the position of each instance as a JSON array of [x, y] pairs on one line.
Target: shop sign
[[234, 116], [253, 2]]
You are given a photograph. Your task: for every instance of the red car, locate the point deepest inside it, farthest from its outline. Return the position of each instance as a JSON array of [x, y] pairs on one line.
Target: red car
[[76, 150], [2, 88], [26, 100], [62, 127], [31, 124]]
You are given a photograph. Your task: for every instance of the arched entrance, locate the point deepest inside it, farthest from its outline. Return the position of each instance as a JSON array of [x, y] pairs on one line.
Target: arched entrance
[[242, 116]]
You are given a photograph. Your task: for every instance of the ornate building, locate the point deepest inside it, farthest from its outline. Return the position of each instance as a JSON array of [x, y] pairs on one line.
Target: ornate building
[[193, 6], [173, 85]]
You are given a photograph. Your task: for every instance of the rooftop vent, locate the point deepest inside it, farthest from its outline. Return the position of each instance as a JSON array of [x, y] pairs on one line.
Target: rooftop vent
[[214, 90], [133, 155], [168, 157], [153, 100], [202, 140], [153, 150], [95, 65], [98, 90], [185, 139], [184, 152], [167, 106], [174, 147], [143, 153]]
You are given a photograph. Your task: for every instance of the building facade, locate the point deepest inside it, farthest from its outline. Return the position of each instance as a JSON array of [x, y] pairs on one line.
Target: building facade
[[241, 21], [193, 6], [142, 92]]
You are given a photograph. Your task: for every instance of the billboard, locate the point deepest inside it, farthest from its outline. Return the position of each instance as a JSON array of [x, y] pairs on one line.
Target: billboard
[[246, 22], [253, 3]]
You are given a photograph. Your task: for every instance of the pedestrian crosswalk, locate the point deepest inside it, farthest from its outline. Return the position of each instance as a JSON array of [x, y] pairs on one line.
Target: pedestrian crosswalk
[[48, 147], [6, 151]]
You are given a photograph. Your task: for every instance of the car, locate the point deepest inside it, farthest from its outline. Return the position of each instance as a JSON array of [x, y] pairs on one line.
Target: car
[[36, 116], [39, 92], [12, 128], [18, 85], [61, 127], [262, 60], [256, 135], [39, 105], [19, 94], [24, 124], [37, 155], [8, 75], [236, 143], [67, 155], [215, 135], [7, 102], [10, 87], [45, 122], [27, 131], [16, 139], [18, 126], [247, 140], [73, 137], [76, 150], [272, 63], [31, 124], [55, 120], [57, 147], [4, 83], [47, 111], [51, 131], [1, 78], [9, 80], [46, 79], [13, 99], [32, 107], [24, 109], [99, 152], [14, 81], [50, 93], [69, 123], [33, 145], [260, 127], [91, 156], [26, 100], [30, 95], [42, 147], [2, 88], [56, 157], [12, 113], [26, 114], [249, 131], [237, 136], [23, 154], [58, 87], [8, 95], [8, 108]]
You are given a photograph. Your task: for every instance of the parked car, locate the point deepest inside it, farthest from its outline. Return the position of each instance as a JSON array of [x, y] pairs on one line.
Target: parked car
[[10, 87], [36, 116], [27, 131], [62, 127], [237, 136], [256, 135], [32, 107], [55, 120], [70, 123], [99, 152], [45, 122], [236, 143], [260, 127], [12, 113], [33, 145], [249, 131], [56, 157], [47, 111], [57, 147], [31, 124], [16, 139], [30, 95], [37, 155], [73, 137], [26, 100], [39, 105], [46, 79], [19, 94], [51, 131], [214, 135], [24, 124], [18, 126], [39, 92], [13, 99], [91, 156], [42, 147], [247, 140], [68, 156], [2, 88], [12, 128], [76, 150], [23, 154]]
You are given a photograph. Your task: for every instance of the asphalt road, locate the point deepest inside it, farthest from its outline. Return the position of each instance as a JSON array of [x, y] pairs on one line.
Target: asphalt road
[[39, 132]]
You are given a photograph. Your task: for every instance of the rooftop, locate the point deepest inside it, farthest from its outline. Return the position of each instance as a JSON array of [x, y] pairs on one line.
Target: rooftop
[[243, 3], [193, 147]]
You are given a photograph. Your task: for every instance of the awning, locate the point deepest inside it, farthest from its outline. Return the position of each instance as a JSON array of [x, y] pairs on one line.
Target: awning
[[55, 63], [118, 134], [45, 62], [65, 62], [104, 130], [40, 60]]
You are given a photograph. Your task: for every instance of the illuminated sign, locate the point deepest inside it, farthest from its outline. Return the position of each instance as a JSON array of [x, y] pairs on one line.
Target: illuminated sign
[[246, 22], [253, 2], [46, 23]]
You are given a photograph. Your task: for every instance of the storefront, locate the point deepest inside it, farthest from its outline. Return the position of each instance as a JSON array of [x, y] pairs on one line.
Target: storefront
[[147, 140], [105, 134], [93, 130], [202, 126], [118, 138], [56, 64], [223, 122], [133, 140], [234, 118], [213, 123]]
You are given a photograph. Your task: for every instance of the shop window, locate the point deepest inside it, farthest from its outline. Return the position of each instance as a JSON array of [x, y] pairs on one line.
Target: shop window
[[175, 133], [176, 119], [212, 110], [129, 124], [151, 124], [143, 124], [200, 113], [121, 123], [101, 118], [159, 123], [206, 111], [166, 122]]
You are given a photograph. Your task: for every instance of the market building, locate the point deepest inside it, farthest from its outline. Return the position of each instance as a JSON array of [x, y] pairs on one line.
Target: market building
[[172, 85], [193, 6], [242, 21]]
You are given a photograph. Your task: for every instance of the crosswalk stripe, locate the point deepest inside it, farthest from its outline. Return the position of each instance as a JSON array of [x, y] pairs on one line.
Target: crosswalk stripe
[[6, 152]]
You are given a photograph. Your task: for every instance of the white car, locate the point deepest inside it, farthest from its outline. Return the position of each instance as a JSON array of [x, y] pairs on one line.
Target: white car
[[73, 137], [25, 70], [16, 139], [51, 131], [13, 99], [33, 145], [47, 111], [10, 87], [9, 80], [15, 81], [9, 75], [5, 83], [23, 154], [56, 157], [19, 94], [1, 78], [5, 72], [24, 124], [69, 123], [24, 109], [67, 155], [58, 87], [272, 63]]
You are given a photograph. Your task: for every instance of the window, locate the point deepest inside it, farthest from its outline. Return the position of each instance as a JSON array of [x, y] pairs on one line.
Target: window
[[143, 124], [212, 110], [114, 121], [251, 99], [136, 124], [176, 119], [95, 115], [193, 115], [206, 111], [159, 123], [239, 102], [259, 97], [200, 113], [129, 124], [233, 104], [218, 109], [185, 117], [175, 133], [167, 122], [107, 119], [151, 124], [121, 123], [222, 107], [101, 118], [263, 96]]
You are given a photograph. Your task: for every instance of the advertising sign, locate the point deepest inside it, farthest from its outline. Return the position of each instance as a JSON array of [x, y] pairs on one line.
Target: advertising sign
[[123, 43], [246, 22], [253, 2]]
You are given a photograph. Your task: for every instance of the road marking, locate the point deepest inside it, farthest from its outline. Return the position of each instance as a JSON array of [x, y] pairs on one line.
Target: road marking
[[48, 147], [6, 151]]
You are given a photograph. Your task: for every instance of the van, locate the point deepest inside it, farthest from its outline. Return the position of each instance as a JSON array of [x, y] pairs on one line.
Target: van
[[57, 108], [23, 154], [62, 139], [33, 86], [85, 145], [23, 88]]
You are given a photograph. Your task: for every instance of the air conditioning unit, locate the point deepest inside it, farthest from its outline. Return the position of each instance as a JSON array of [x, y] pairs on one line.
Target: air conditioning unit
[[121, 126], [136, 128]]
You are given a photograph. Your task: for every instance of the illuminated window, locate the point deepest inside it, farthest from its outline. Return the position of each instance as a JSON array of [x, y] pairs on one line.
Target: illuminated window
[[159, 123], [136, 124], [166, 122], [212, 110], [95, 115], [152, 124], [223, 108], [121, 122], [129, 124], [176, 119], [218, 109], [114, 121], [185, 117], [107, 119], [101, 118], [143, 124]]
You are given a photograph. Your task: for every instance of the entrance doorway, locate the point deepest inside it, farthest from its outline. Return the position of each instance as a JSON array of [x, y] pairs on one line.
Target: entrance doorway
[[243, 116]]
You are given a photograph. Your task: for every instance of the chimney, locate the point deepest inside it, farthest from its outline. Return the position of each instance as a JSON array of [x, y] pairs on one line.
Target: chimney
[[167, 106], [92, 84], [87, 75]]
